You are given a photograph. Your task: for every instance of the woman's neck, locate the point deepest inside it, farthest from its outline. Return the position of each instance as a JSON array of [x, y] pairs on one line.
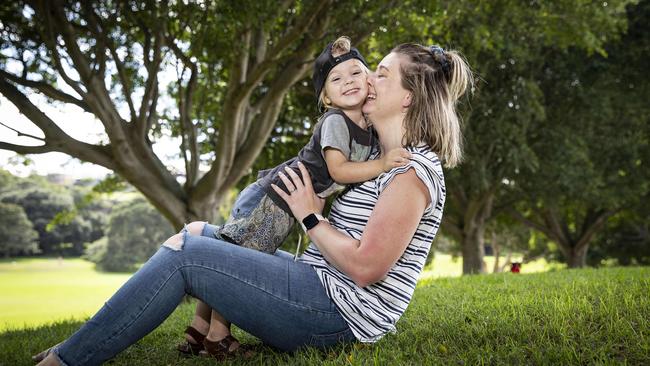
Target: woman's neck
[[390, 134]]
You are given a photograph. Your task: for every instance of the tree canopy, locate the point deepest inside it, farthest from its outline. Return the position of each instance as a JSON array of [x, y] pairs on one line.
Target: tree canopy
[[230, 64]]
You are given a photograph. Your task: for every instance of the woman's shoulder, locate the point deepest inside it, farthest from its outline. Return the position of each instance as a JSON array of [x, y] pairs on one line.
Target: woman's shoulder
[[425, 153], [425, 159], [427, 167]]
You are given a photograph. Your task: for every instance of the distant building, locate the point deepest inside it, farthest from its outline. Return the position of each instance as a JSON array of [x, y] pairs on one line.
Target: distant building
[[62, 179]]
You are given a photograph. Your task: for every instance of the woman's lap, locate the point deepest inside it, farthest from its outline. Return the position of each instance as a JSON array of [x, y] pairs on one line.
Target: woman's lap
[[270, 296]]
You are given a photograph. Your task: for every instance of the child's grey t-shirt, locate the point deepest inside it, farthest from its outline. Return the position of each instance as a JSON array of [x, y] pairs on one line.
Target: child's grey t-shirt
[[334, 130]]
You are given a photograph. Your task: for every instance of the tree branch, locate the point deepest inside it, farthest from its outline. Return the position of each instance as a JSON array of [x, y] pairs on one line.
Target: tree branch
[[228, 168], [56, 13], [307, 19], [102, 105], [552, 222], [271, 104], [47, 90], [55, 138], [186, 98], [20, 149], [589, 229], [19, 133], [150, 97], [532, 224], [317, 10], [25, 106], [97, 27], [452, 228], [50, 39]]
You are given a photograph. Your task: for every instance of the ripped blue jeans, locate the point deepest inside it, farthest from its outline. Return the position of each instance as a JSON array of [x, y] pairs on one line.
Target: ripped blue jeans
[[278, 300]]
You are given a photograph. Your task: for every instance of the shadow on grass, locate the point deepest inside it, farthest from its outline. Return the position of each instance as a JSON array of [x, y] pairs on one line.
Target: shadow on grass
[[158, 348]]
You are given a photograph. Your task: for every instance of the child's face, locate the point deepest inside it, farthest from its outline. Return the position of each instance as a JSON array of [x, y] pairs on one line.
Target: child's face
[[346, 85]]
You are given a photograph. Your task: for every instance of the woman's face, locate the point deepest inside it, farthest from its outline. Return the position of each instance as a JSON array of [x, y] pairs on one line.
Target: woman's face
[[386, 96]]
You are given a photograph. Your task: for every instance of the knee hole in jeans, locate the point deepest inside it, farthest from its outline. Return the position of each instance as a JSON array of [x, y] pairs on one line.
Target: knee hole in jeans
[[175, 242], [195, 227]]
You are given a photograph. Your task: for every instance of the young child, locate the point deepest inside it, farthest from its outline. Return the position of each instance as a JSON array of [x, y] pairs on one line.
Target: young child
[[336, 155]]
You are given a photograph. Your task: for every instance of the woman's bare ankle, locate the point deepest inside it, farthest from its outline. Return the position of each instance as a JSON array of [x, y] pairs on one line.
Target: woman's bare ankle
[[200, 324], [217, 332]]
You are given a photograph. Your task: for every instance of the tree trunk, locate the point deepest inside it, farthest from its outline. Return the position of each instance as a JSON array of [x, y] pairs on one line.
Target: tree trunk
[[506, 263], [477, 213], [466, 222], [577, 257], [574, 244], [497, 254], [473, 248]]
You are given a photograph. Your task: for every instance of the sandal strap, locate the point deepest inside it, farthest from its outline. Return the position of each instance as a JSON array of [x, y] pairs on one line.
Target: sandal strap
[[192, 332], [219, 347]]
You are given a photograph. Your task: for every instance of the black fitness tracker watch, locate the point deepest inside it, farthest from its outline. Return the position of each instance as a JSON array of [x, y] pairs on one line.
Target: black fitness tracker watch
[[312, 220]]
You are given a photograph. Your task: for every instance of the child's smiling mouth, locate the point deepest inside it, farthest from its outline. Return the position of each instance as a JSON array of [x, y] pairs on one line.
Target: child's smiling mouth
[[351, 91]]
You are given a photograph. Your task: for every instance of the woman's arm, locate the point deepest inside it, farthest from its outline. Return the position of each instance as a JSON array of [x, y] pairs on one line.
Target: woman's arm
[[390, 228]]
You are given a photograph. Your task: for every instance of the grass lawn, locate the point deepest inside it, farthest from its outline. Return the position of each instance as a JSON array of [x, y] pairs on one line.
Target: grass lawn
[[38, 291], [590, 316]]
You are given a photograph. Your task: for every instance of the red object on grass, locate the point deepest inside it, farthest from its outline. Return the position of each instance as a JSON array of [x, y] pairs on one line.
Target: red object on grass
[[515, 267]]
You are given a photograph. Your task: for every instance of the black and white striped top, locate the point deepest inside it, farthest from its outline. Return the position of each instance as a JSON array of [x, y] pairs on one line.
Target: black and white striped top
[[372, 311]]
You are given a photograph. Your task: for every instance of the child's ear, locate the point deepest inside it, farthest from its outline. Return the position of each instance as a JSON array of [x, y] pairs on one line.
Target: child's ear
[[406, 102]]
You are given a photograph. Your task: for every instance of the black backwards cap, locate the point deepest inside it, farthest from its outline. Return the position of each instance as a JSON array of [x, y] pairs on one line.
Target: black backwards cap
[[326, 62]]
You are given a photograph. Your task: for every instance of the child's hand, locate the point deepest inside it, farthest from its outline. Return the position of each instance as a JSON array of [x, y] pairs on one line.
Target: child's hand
[[394, 158]]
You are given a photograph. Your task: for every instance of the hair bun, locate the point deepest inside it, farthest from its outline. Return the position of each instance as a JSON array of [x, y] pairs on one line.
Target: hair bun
[[437, 51]]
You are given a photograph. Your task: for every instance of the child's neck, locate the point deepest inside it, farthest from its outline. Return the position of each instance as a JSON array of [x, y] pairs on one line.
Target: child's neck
[[356, 116]]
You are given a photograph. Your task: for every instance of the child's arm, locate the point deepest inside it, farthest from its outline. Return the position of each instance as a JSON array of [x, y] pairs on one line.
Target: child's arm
[[346, 172]]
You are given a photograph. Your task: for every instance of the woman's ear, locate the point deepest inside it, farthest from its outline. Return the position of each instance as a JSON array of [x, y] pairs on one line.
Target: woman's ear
[[406, 102]]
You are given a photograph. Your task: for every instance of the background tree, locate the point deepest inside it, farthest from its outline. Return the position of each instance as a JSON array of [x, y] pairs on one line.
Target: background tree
[[507, 238], [234, 62], [593, 147], [16, 233], [134, 232], [625, 238], [47, 206], [508, 53]]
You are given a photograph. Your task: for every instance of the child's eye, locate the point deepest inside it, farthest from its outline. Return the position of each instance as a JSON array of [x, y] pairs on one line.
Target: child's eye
[[356, 73], [335, 79]]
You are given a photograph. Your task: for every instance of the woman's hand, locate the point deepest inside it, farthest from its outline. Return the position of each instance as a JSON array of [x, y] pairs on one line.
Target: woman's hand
[[301, 197]]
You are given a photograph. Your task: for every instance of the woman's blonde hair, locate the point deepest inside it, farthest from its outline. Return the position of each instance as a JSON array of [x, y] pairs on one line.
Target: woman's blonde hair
[[436, 78], [341, 46]]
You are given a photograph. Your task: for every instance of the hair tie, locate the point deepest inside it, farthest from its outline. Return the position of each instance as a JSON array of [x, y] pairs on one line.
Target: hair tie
[[435, 50]]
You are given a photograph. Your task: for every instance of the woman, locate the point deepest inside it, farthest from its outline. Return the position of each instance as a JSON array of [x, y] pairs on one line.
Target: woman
[[358, 274]]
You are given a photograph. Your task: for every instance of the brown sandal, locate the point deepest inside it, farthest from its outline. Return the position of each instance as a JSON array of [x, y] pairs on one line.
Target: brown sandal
[[188, 348], [221, 351]]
